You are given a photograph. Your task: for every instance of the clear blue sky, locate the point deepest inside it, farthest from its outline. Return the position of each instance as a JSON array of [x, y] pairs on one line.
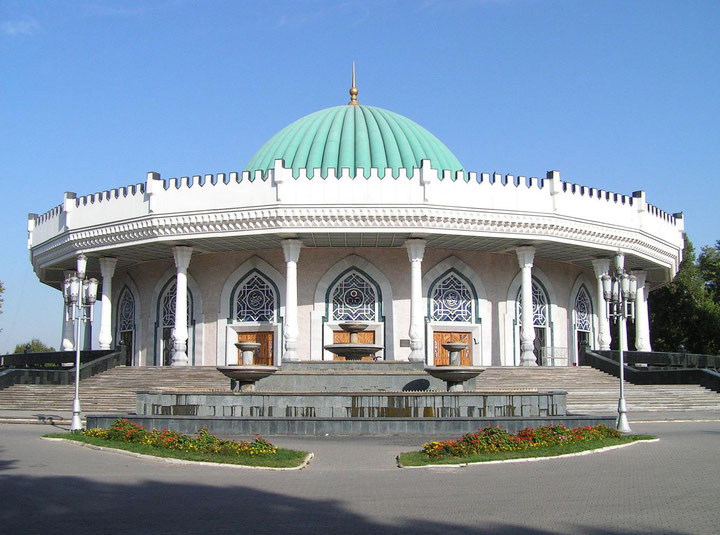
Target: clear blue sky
[[94, 94]]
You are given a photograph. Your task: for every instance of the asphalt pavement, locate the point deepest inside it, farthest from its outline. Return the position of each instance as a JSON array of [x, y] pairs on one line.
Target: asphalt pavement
[[354, 486]]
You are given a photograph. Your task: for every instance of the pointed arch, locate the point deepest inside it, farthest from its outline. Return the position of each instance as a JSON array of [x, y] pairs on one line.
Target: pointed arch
[[195, 323], [257, 270], [321, 321], [480, 324], [510, 355], [127, 321], [581, 321]]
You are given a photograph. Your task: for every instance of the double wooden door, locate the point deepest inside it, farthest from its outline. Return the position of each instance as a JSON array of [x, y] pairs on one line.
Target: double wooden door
[[364, 337], [264, 355], [442, 355]]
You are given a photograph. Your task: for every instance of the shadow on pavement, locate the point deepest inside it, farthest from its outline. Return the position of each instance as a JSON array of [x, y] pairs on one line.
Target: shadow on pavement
[[76, 505]]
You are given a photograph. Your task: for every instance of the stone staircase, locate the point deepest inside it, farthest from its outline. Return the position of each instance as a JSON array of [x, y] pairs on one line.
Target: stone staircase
[[113, 390], [589, 391]]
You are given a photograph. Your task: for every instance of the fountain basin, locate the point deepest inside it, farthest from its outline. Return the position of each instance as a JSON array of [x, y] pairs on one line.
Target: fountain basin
[[454, 376], [353, 351], [244, 377]]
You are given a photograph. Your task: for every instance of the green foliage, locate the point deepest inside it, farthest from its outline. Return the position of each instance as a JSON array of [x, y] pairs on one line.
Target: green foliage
[[496, 439], [36, 346], [125, 431], [684, 313], [709, 269]]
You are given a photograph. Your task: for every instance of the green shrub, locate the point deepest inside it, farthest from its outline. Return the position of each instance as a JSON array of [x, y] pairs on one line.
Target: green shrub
[[496, 439], [125, 431]]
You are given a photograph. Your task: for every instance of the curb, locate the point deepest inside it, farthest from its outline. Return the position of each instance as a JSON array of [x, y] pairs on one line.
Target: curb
[[170, 460], [529, 459]]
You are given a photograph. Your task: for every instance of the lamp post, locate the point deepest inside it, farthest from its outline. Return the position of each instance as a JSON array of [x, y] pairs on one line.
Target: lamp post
[[619, 290], [79, 295]]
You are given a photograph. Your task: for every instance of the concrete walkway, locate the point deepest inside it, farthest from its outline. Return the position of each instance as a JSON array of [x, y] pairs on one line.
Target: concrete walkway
[[353, 486]]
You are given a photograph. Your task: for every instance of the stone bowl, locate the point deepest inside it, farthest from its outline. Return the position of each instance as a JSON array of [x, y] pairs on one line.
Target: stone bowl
[[247, 375], [454, 376]]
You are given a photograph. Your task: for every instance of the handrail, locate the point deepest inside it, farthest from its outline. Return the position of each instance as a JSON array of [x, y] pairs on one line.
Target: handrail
[[61, 376], [605, 362]]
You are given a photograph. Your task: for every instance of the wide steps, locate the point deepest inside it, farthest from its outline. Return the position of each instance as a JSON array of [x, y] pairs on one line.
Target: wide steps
[[589, 390]]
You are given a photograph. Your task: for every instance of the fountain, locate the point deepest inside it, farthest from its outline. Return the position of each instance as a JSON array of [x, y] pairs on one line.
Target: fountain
[[454, 374], [353, 350], [244, 375]]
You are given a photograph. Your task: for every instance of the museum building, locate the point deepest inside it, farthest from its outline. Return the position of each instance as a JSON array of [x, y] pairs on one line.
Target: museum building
[[355, 213]]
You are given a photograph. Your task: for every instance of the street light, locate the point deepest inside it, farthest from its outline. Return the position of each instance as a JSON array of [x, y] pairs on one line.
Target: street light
[[79, 295], [619, 290]]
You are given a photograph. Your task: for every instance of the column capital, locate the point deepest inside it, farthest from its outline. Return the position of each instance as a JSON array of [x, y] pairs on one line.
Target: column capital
[[415, 248], [601, 266], [525, 255], [182, 255], [291, 249], [107, 266], [640, 276]]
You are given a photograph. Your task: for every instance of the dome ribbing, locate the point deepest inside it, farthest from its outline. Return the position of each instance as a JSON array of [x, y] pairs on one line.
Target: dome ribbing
[[359, 136]]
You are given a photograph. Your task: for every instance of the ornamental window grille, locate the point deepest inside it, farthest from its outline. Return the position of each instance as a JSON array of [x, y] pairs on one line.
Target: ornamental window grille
[[168, 307], [540, 306], [126, 312], [451, 301], [354, 299], [583, 311], [255, 300]]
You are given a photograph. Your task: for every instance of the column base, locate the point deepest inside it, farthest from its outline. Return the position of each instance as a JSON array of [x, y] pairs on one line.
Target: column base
[[528, 359]]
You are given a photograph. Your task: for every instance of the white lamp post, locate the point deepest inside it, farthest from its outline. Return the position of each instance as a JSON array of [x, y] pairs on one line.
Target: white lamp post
[[619, 290], [79, 295]]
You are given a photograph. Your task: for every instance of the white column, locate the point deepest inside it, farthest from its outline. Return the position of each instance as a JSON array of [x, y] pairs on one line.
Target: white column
[[416, 250], [68, 331], [642, 320], [525, 256], [107, 268], [291, 250], [601, 267], [182, 256]]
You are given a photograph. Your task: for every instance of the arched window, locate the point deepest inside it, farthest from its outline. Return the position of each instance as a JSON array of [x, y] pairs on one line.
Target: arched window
[[541, 323], [255, 300], [126, 323], [583, 319], [540, 306], [451, 300], [166, 322], [354, 298]]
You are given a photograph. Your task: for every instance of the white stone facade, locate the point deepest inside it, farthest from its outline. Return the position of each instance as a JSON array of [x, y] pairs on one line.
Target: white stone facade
[[295, 239]]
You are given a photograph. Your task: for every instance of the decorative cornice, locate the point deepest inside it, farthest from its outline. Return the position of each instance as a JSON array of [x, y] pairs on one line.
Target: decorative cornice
[[428, 219]]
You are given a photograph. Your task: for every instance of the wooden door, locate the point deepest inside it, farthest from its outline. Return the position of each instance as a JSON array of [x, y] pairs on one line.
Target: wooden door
[[264, 355], [364, 337], [442, 356]]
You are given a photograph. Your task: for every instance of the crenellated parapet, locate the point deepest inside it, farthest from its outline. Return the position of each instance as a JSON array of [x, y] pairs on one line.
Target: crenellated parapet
[[420, 200]]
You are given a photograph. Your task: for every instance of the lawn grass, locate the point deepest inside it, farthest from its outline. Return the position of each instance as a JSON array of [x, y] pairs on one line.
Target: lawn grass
[[282, 459], [420, 458]]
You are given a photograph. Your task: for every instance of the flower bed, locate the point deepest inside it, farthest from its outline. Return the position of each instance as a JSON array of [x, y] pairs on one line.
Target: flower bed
[[125, 431], [496, 439]]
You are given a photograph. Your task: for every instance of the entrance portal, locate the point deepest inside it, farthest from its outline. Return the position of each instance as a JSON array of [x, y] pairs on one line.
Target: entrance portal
[[442, 355], [264, 354]]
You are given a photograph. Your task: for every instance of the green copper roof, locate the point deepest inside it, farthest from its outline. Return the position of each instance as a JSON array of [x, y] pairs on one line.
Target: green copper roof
[[354, 137]]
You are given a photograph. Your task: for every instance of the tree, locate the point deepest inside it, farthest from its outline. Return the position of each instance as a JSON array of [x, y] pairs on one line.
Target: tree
[[683, 313], [709, 268], [33, 346]]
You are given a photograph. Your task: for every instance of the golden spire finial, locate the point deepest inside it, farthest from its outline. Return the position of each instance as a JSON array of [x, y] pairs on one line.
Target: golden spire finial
[[353, 90]]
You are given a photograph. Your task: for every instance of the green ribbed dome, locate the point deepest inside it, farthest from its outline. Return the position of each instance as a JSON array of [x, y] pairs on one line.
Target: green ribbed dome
[[354, 137]]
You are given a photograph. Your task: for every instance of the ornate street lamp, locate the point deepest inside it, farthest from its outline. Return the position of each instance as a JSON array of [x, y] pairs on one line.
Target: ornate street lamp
[[619, 290], [79, 295]]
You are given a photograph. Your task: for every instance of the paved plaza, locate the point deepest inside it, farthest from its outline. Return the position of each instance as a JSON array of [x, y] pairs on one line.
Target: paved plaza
[[353, 486]]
